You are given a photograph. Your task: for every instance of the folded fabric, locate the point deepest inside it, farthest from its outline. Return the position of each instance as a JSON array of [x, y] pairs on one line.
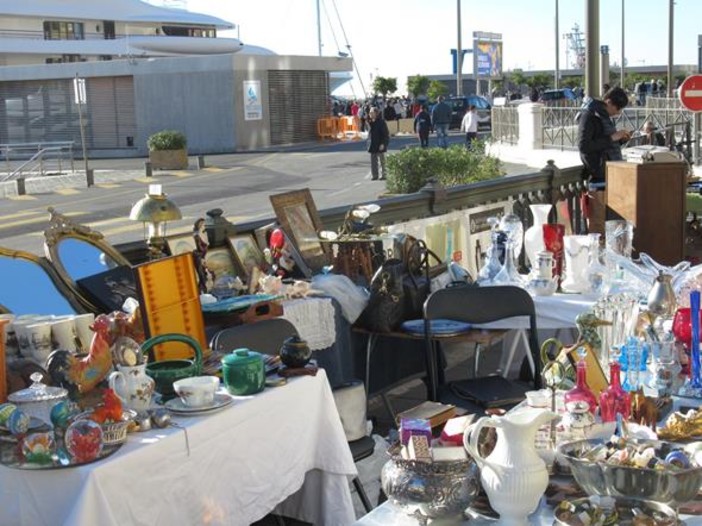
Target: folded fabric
[[439, 327]]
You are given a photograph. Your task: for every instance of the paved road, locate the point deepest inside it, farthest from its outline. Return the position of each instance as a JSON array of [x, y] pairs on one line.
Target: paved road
[[239, 184]]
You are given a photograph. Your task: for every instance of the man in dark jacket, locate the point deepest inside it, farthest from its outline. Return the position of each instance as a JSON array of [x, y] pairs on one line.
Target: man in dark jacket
[[599, 140], [440, 121], [378, 139]]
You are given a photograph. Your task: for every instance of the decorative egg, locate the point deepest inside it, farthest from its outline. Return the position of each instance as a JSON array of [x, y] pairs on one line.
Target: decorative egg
[[62, 412], [5, 410], [18, 422], [38, 448], [84, 441]]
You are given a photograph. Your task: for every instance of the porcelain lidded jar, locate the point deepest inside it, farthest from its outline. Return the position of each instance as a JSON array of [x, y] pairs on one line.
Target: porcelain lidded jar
[[534, 235], [243, 372]]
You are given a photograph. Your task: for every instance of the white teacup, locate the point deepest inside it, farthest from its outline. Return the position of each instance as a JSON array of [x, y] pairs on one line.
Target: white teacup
[[197, 391], [63, 334], [83, 331], [39, 338]]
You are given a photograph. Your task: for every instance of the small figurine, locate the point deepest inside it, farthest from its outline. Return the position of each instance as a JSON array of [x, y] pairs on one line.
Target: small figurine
[[643, 409], [204, 274], [283, 262]]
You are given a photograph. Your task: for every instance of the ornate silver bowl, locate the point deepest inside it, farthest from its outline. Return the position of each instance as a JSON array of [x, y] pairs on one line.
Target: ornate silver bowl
[[600, 478], [430, 490]]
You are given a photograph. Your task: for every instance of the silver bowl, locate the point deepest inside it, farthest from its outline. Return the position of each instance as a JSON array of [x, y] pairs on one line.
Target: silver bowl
[[626, 511], [433, 490], [601, 478]]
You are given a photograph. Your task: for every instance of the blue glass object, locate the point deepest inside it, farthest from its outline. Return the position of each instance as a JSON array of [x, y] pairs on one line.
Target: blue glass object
[[695, 382]]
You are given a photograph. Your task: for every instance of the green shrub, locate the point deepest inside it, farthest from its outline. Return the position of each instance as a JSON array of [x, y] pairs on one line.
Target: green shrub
[[410, 169], [167, 140]]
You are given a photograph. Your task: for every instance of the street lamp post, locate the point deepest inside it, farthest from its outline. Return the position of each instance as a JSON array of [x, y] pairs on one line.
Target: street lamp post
[[557, 75], [671, 9], [592, 48], [621, 70], [459, 54]]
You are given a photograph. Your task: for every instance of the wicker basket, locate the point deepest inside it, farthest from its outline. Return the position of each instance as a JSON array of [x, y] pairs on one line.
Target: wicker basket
[[115, 432]]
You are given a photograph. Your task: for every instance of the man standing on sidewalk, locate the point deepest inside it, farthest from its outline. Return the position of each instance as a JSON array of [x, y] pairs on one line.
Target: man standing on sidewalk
[[378, 139], [440, 120], [469, 125]]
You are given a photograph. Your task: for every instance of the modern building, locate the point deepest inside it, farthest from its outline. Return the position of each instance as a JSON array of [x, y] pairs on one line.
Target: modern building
[[148, 68]]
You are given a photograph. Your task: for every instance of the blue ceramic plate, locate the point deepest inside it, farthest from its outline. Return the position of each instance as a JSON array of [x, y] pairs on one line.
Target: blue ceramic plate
[[439, 327]]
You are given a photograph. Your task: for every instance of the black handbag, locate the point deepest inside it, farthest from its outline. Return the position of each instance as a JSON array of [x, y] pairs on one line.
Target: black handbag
[[417, 281], [386, 308]]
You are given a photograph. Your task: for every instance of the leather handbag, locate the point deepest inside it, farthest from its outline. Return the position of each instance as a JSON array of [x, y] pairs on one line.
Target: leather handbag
[[386, 308], [417, 281]]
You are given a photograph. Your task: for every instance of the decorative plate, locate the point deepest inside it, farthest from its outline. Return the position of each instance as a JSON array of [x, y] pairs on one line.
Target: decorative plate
[[176, 405], [439, 327]]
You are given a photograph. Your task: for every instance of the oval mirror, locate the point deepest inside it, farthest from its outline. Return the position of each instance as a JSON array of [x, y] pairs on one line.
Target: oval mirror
[[77, 252], [81, 259], [27, 286]]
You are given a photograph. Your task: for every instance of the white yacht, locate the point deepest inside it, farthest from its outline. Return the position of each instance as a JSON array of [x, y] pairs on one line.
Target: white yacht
[[60, 31]]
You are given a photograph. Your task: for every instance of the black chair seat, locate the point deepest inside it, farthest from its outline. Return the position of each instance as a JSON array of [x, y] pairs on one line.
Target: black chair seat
[[362, 448]]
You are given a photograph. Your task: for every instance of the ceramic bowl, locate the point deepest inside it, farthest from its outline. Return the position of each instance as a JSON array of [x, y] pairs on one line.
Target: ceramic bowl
[[542, 287], [197, 391], [540, 398]]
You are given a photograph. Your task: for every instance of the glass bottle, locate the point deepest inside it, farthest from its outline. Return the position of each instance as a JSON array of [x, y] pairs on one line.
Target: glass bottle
[[596, 271], [614, 399], [508, 274], [581, 392]]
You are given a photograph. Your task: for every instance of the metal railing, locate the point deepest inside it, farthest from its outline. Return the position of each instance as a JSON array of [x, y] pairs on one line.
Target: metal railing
[[40, 158], [548, 185], [505, 124]]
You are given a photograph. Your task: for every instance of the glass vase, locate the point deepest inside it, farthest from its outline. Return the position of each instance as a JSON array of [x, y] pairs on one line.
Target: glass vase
[[581, 392], [614, 399], [596, 271], [577, 255], [534, 235], [494, 260]]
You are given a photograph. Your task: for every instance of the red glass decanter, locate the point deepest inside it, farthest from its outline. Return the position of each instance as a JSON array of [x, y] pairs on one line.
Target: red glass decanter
[[581, 392], [614, 399]]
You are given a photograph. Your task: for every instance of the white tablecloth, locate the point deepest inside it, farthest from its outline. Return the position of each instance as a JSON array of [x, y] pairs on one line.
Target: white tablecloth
[[244, 460], [552, 312]]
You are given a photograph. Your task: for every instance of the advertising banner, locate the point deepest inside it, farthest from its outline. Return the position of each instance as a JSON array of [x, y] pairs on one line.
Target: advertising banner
[[253, 108], [488, 58]]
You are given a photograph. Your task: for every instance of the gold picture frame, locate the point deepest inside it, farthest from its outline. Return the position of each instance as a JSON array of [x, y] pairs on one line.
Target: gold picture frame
[[298, 216], [247, 253]]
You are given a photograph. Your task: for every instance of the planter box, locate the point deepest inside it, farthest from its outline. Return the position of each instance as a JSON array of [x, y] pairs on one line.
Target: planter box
[[168, 159]]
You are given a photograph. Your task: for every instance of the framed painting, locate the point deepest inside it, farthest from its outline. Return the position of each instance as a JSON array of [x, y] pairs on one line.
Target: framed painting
[[221, 262], [180, 244], [247, 253], [297, 214]]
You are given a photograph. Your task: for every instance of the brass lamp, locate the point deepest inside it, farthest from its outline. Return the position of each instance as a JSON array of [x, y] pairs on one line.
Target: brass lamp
[[154, 211]]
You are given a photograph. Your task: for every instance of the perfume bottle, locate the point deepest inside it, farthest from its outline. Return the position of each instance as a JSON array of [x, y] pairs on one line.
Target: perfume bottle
[[614, 399], [581, 392]]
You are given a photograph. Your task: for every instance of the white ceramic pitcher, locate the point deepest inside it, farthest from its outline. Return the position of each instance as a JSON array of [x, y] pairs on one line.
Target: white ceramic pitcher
[[133, 387], [514, 476]]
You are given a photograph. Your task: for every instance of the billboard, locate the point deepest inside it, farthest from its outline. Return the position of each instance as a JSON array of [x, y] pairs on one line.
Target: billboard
[[488, 58]]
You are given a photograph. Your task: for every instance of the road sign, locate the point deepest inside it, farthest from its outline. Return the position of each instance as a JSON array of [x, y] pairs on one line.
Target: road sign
[[690, 93]]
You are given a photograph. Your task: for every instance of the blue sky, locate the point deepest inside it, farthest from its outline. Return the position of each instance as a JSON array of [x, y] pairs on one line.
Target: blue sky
[[397, 38]]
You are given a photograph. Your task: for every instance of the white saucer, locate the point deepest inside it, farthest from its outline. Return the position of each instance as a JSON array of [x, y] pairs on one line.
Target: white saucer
[[177, 406]]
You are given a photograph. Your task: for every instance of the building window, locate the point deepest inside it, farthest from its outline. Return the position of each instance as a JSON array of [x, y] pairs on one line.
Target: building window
[[185, 31], [64, 31]]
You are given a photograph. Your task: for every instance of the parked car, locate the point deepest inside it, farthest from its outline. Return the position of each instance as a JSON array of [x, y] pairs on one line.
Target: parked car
[[459, 106], [557, 96]]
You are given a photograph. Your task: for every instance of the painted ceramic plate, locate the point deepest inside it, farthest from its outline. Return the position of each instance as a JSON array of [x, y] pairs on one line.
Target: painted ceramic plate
[[176, 405]]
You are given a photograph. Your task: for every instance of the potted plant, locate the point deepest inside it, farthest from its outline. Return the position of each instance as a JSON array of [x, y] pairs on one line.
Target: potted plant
[[168, 150]]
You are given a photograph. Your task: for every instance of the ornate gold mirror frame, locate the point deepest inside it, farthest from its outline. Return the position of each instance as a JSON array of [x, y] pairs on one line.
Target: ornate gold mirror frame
[[63, 228], [32, 288]]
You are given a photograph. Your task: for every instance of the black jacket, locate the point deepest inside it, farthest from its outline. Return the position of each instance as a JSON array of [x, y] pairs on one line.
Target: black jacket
[[378, 135], [422, 122], [595, 128]]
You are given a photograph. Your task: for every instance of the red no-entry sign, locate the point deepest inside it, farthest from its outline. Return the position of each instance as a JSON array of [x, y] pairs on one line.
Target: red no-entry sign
[[690, 93]]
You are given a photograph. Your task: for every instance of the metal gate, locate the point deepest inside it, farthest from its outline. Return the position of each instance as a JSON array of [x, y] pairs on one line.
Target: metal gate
[[296, 100]]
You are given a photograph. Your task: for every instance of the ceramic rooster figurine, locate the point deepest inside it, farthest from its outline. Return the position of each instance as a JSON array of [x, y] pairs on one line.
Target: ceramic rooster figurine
[[80, 375]]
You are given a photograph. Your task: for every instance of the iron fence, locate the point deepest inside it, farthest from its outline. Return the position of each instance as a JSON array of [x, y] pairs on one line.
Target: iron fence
[[505, 124]]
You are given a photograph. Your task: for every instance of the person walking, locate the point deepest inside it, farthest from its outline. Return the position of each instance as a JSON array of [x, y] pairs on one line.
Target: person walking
[[440, 121], [599, 141], [469, 125], [378, 139], [422, 126]]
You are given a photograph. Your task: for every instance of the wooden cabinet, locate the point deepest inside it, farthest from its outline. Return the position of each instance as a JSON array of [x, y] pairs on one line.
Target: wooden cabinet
[[651, 196]]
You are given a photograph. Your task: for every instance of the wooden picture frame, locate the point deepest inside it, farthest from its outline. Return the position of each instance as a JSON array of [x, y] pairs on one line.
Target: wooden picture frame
[[180, 244], [247, 253], [298, 216]]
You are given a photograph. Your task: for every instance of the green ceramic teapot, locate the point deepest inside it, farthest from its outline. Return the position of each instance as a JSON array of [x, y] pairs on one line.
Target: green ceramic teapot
[[243, 372]]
